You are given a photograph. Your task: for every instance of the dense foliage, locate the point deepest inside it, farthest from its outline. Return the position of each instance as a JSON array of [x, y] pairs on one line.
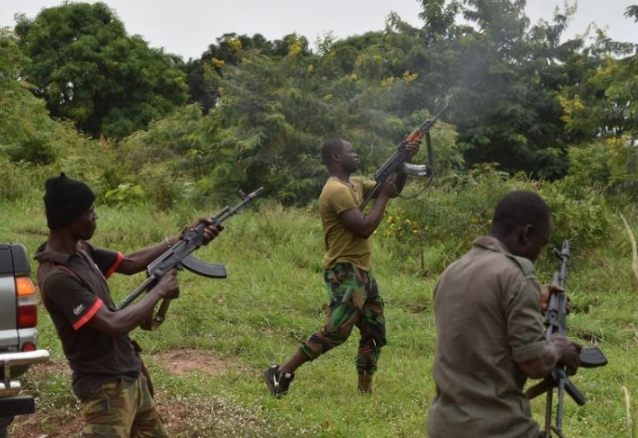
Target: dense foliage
[[91, 72], [520, 95]]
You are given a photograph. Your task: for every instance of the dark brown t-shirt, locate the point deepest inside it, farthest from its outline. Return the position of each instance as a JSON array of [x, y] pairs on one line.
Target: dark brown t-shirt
[[73, 288]]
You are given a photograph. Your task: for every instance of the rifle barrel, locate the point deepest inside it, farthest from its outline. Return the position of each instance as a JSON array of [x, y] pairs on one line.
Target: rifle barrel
[[430, 122], [228, 211]]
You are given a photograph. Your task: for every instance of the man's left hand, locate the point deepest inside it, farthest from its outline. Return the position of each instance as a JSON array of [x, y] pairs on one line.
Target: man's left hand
[[413, 148], [546, 292], [211, 231]]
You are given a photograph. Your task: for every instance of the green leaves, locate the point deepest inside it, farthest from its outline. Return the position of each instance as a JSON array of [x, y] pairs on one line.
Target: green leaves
[[91, 72], [125, 194], [519, 96]]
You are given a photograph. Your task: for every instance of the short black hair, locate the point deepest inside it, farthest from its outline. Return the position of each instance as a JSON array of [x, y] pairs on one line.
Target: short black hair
[[519, 208], [329, 147]]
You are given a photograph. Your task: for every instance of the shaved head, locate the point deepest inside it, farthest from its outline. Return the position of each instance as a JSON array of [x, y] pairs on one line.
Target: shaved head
[[523, 223], [520, 208], [331, 146]]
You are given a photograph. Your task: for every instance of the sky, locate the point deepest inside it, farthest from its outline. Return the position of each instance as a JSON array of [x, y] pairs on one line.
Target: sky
[[187, 27]]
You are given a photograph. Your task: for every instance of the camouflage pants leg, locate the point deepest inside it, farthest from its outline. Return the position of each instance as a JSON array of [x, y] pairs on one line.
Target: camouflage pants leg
[[354, 302], [122, 409]]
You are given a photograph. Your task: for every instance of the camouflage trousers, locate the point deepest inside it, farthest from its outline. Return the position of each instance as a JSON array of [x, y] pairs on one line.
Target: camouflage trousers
[[122, 409], [354, 301]]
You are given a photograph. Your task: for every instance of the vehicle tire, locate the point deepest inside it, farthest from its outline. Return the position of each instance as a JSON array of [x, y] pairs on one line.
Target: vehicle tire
[[4, 425]]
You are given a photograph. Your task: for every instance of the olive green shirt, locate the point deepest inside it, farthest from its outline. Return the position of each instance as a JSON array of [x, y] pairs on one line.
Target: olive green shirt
[[341, 245], [488, 318]]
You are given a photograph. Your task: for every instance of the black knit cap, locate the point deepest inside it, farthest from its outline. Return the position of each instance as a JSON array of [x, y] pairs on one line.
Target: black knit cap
[[65, 200]]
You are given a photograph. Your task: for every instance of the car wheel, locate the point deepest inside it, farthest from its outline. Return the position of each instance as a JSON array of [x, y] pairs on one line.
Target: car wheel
[[4, 424]]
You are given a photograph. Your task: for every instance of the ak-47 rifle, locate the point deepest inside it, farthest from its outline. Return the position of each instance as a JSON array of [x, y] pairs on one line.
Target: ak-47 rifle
[[556, 322], [178, 257], [399, 161]]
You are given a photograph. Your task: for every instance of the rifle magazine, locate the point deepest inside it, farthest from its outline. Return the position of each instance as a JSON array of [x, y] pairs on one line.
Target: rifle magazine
[[592, 357], [202, 268]]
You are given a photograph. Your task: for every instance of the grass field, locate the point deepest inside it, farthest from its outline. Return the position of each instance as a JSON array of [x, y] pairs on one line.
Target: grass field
[[208, 356]]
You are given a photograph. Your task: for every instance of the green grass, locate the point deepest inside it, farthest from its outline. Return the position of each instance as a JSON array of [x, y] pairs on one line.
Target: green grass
[[274, 296]]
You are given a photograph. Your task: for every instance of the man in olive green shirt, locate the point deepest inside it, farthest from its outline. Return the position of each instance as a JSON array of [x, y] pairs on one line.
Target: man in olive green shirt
[[490, 334], [354, 295], [340, 243]]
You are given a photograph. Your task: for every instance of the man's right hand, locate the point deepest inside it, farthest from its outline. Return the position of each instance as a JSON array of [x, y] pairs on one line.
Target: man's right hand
[[568, 352], [546, 292], [389, 187], [167, 285]]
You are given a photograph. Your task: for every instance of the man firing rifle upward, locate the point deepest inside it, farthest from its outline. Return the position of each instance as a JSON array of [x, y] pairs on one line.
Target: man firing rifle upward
[[353, 292]]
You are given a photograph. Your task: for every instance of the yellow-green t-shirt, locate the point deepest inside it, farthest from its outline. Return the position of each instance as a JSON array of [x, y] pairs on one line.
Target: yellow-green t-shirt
[[341, 245]]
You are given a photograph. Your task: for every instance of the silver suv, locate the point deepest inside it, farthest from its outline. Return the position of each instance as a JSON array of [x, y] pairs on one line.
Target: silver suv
[[18, 333]]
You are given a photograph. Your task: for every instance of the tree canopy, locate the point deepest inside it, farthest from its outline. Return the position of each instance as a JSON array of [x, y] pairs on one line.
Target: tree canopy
[[91, 72], [521, 95]]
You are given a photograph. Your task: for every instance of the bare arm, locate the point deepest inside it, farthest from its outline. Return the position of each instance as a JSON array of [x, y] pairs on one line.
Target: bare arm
[[399, 181], [363, 226], [138, 261], [121, 322]]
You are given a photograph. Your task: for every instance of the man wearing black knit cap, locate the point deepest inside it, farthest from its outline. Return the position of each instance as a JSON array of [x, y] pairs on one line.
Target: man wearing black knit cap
[[72, 276]]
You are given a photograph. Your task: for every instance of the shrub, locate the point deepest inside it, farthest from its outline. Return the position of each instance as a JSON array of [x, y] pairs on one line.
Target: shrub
[[16, 181], [434, 230], [610, 164]]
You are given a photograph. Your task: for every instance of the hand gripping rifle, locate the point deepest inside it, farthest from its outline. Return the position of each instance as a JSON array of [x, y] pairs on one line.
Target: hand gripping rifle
[[589, 357], [178, 257], [399, 161]]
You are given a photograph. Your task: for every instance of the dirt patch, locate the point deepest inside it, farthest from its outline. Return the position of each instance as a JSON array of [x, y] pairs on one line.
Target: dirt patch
[[47, 422], [43, 426], [215, 417], [183, 417], [59, 367], [186, 361]]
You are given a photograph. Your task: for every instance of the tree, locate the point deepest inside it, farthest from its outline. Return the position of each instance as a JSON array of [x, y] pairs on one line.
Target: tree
[[274, 126], [32, 145], [502, 79], [632, 11], [205, 74], [604, 101], [23, 118], [91, 72]]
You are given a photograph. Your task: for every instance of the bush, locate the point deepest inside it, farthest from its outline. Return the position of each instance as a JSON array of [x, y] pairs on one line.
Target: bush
[[164, 190], [125, 194], [434, 230], [610, 164], [16, 181]]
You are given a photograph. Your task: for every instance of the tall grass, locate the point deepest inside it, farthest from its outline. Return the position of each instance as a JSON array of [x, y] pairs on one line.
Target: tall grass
[[274, 296]]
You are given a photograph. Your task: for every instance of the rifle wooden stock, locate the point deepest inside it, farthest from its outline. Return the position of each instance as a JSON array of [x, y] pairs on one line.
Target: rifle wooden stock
[[399, 161]]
